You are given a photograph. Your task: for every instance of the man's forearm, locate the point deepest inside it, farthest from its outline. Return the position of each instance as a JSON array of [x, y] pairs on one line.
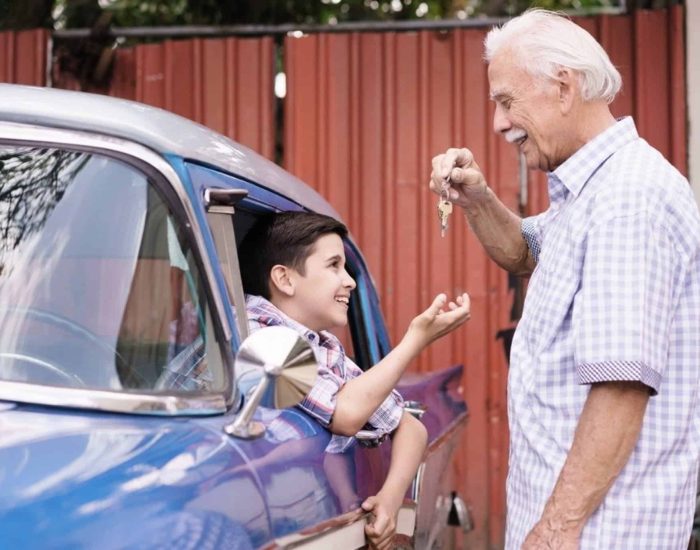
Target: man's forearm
[[605, 437], [498, 230]]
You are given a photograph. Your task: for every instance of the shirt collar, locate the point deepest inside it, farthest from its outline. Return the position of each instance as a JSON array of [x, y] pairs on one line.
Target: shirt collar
[[578, 168], [259, 308]]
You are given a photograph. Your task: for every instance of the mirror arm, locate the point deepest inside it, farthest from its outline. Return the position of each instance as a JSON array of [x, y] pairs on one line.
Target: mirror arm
[[243, 426]]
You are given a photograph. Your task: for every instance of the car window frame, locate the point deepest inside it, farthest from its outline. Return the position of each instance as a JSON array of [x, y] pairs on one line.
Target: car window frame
[[366, 323]]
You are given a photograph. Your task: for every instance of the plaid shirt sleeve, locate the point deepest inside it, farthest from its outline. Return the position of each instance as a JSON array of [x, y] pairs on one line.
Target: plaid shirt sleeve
[[321, 400], [531, 231], [622, 315]]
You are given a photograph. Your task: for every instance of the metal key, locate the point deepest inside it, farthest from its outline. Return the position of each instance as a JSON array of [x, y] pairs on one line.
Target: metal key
[[444, 208]]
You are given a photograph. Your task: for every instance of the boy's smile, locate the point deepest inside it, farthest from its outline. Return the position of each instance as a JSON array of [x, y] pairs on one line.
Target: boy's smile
[[322, 294]]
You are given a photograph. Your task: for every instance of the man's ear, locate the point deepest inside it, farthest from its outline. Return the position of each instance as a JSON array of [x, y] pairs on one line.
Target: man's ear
[[282, 279], [568, 88]]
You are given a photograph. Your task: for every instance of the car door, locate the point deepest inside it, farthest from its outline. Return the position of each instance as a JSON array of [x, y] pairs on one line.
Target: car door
[[346, 480]]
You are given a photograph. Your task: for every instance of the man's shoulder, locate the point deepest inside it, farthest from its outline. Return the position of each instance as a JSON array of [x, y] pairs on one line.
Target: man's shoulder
[[638, 177]]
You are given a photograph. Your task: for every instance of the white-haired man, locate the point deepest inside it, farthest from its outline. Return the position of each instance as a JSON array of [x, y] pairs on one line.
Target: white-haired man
[[603, 389]]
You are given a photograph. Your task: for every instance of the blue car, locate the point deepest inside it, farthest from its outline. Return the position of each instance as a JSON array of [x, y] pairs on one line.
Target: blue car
[[135, 409]]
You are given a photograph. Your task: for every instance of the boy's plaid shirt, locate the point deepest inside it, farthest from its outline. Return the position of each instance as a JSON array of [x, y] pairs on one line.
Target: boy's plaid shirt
[[334, 370]]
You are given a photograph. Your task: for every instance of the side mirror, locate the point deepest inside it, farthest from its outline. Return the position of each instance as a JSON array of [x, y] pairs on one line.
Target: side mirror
[[283, 366]]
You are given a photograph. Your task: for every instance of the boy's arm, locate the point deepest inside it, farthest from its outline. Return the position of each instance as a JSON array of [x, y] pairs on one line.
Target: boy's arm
[[360, 397], [408, 447]]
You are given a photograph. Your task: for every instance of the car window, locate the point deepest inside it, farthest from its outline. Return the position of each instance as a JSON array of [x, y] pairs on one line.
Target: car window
[[99, 287]]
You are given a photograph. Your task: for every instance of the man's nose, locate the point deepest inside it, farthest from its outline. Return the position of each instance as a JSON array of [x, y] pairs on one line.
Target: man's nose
[[501, 122]]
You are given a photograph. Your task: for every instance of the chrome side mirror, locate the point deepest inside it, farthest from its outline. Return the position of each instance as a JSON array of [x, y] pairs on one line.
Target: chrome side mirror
[[283, 366]]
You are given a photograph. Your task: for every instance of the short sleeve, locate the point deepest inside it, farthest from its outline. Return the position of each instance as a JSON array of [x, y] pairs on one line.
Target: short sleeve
[[387, 417], [623, 312], [532, 233], [320, 402]]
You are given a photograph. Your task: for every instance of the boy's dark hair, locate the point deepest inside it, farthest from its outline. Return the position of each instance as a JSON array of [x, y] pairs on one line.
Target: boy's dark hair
[[285, 238]]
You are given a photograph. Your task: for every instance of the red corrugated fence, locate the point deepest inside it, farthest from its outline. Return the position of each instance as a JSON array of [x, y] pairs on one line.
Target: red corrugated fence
[[364, 115]]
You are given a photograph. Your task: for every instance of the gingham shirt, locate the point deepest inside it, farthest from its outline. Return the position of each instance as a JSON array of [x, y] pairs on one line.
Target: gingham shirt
[[334, 369], [615, 296]]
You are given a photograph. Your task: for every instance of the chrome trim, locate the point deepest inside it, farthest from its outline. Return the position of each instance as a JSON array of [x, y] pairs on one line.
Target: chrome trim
[[112, 401], [459, 514], [26, 134], [345, 531]]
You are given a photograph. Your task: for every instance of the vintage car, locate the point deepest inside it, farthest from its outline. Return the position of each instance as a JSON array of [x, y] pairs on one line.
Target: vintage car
[[125, 421]]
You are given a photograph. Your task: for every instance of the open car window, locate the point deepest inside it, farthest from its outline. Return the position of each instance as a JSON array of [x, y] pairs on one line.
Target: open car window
[[99, 287]]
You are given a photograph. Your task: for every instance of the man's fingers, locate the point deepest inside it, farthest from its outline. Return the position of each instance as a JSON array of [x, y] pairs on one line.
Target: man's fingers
[[445, 164], [467, 175], [455, 158]]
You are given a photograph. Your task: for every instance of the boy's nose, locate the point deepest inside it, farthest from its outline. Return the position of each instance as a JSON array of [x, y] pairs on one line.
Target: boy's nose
[[349, 282]]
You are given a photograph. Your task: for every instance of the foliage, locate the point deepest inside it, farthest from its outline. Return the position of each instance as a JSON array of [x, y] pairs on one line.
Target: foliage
[[20, 14]]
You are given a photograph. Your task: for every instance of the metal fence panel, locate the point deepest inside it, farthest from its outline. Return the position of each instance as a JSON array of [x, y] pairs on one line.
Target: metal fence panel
[[226, 84], [23, 57], [364, 115]]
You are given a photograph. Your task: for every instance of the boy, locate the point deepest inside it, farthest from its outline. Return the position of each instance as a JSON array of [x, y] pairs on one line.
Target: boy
[[294, 275]]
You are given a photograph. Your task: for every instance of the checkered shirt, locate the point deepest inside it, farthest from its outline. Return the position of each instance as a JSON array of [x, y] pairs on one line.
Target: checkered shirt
[[334, 370], [615, 295]]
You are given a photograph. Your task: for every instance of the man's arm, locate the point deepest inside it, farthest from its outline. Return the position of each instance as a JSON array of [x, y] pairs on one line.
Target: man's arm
[[605, 437], [408, 447], [498, 230]]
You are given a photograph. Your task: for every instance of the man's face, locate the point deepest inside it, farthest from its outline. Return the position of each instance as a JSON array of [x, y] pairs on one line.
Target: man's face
[[322, 293], [528, 112]]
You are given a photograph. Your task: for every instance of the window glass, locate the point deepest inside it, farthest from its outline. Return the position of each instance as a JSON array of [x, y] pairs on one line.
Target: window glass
[[98, 286]]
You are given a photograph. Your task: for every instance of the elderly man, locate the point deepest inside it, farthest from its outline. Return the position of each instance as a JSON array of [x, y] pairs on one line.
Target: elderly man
[[603, 389]]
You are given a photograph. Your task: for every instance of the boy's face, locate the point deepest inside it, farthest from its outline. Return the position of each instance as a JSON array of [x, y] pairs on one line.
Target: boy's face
[[322, 294]]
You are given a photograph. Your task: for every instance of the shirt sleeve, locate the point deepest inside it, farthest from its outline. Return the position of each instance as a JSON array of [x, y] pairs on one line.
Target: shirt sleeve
[[320, 402], [532, 233], [623, 312], [387, 417]]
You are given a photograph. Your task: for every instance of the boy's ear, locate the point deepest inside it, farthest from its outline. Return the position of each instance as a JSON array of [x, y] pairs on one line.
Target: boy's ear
[[282, 279]]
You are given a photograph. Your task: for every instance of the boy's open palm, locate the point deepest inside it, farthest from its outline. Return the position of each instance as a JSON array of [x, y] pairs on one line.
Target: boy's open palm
[[440, 318]]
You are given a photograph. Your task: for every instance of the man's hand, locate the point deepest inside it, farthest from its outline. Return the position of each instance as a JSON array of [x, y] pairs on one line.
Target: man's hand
[[435, 321], [458, 168], [543, 537], [381, 528]]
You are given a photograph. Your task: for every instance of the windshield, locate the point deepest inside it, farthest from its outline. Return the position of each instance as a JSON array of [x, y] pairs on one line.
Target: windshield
[[98, 285]]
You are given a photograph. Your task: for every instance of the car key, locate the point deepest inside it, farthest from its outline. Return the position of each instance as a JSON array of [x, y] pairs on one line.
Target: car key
[[444, 208]]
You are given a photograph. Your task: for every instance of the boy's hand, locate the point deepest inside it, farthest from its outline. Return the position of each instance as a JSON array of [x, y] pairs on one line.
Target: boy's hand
[[381, 528], [435, 321]]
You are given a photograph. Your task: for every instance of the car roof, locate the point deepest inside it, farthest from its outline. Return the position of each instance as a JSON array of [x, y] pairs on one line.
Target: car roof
[[160, 130]]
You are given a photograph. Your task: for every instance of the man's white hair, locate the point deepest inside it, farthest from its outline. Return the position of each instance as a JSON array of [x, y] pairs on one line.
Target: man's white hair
[[544, 41]]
